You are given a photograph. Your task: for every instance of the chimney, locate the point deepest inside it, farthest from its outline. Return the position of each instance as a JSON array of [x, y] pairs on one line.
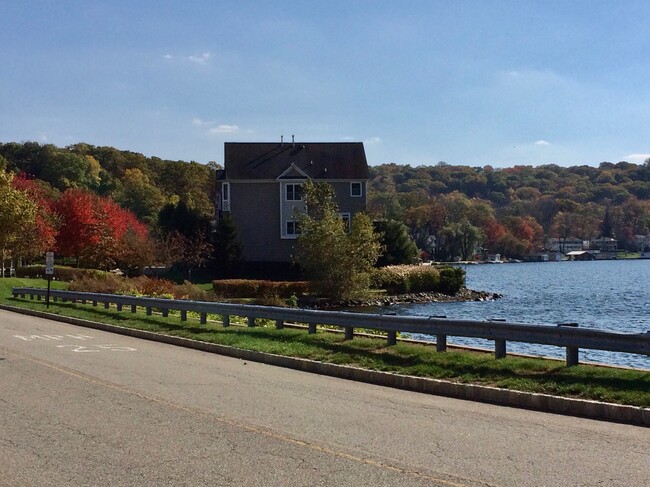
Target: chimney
[[293, 142], [282, 141]]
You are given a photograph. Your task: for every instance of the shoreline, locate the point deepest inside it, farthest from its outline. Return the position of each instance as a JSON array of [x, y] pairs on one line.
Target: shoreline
[[411, 298]]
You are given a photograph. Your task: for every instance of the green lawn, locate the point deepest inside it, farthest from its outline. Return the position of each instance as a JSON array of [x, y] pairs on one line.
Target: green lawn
[[532, 375]]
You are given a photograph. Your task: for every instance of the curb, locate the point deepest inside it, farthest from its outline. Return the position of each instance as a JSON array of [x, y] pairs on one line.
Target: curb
[[503, 397]]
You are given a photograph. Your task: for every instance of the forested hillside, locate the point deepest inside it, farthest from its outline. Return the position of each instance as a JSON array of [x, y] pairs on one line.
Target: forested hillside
[[142, 184], [512, 211], [450, 211], [101, 207]]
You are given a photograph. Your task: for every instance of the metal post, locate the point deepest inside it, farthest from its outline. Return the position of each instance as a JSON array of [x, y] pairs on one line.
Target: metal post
[[392, 338], [349, 333], [165, 312], [204, 318], [251, 321], [441, 343], [499, 348], [134, 308], [183, 315], [572, 353], [312, 328], [279, 324], [226, 321]]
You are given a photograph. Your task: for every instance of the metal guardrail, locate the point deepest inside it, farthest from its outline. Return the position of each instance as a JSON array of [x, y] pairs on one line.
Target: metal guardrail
[[567, 335]]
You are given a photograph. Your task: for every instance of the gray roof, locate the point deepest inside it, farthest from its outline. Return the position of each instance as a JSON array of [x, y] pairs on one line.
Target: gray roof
[[318, 160]]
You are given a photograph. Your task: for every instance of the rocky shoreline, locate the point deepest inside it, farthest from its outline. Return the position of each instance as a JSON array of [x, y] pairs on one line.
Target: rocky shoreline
[[463, 295]]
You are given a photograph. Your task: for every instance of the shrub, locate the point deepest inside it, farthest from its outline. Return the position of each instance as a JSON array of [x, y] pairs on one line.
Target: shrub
[[452, 280], [415, 279], [250, 288], [61, 273]]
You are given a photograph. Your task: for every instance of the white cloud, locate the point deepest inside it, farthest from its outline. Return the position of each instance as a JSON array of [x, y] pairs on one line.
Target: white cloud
[[224, 129], [168, 56], [347, 139], [372, 140], [636, 157], [202, 58], [201, 123], [542, 142]]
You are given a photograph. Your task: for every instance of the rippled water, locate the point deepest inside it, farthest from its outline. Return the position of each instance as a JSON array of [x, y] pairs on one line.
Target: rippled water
[[608, 295]]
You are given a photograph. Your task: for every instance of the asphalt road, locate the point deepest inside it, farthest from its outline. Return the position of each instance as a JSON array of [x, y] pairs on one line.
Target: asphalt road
[[84, 407]]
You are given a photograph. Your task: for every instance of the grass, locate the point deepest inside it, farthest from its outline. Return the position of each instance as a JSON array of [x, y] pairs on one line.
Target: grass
[[614, 385]]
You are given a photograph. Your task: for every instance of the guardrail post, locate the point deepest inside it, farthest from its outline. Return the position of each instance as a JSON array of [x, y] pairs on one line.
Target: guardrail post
[[183, 315], [251, 322], [83, 301], [165, 312], [134, 308], [106, 304], [441, 343], [226, 321], [349, 333], [279, 324], [94, 302], [572, 353], [31, 296], [149, 311], [38, 298], [204, 318], [119, 306], [55, 299], [392, 338], [311, 328], [499, 348]]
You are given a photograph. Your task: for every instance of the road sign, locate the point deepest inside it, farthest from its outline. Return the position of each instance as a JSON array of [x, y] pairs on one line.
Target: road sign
[[49, 263]]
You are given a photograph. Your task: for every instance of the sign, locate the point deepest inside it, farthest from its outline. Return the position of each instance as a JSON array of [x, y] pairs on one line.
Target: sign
[[49, 263]]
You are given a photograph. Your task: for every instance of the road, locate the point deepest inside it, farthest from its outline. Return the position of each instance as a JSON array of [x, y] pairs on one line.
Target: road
[[84, 407]]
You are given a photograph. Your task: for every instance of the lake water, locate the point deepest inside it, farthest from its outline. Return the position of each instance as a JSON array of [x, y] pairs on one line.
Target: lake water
[[607, 295]]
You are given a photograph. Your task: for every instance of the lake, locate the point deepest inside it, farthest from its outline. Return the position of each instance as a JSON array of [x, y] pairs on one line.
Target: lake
[[608, 295]]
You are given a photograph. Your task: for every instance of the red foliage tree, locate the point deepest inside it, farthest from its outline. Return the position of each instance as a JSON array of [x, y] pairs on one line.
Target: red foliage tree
[[78, 230]]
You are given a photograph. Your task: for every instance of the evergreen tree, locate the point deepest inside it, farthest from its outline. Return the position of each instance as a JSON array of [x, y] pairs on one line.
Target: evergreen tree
[[227, 249], [397, 245]]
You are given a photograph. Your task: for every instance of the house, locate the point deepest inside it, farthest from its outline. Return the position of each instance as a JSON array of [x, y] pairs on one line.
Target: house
[[260, 187], [564, 245], [604, 244]]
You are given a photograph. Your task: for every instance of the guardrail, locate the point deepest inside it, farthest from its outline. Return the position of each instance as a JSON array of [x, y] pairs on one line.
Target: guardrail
[[567, 335]]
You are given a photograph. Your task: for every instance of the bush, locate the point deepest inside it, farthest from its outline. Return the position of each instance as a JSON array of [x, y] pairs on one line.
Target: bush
[[452, 280], [61, 273], [416, 279], [250, 288]]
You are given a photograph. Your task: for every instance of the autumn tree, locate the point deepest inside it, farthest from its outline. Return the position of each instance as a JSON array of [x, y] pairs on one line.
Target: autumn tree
[[17, 216], [337, 263]]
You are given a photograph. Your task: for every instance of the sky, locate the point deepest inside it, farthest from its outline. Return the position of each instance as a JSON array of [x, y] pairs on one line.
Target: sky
[[418, 82]]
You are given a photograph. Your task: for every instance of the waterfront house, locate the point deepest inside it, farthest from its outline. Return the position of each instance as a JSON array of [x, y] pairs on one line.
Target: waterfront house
[[604, 244], [565, 245], [260, 187]]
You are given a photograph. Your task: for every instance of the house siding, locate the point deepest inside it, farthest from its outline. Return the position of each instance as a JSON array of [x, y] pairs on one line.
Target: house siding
[[256, 174]]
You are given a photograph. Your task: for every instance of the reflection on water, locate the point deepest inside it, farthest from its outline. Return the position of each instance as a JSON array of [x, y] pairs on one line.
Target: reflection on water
[[608, 295]]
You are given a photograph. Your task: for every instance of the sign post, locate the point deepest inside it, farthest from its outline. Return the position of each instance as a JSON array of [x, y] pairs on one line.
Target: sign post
[[49, 271]]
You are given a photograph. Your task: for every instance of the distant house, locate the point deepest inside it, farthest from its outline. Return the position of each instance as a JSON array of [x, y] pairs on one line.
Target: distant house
[[564, 245], [260, 187], [604, 244]]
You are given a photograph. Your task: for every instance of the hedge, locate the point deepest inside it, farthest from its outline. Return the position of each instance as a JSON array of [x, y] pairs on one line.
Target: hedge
[[252, 288]]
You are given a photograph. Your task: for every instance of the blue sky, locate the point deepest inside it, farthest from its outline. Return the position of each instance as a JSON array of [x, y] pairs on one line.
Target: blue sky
[[465, 82]]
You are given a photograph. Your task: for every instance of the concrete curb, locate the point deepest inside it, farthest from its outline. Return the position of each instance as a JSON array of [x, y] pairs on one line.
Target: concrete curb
[[493, 395]]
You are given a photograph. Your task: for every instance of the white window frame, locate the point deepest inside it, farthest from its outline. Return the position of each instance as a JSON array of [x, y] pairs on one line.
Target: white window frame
[[225, 196], [354, 194], [293, 190]]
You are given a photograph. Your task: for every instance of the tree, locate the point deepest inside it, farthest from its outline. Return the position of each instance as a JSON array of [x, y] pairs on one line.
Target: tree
[[227, 249], [397, 245], [17, 214], [77, 231], [338, 264]]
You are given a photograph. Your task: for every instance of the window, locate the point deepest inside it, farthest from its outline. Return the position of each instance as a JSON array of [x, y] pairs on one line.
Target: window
[[356, 189], [346, 221], [225, 196], [292, 228], [293, 192]]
